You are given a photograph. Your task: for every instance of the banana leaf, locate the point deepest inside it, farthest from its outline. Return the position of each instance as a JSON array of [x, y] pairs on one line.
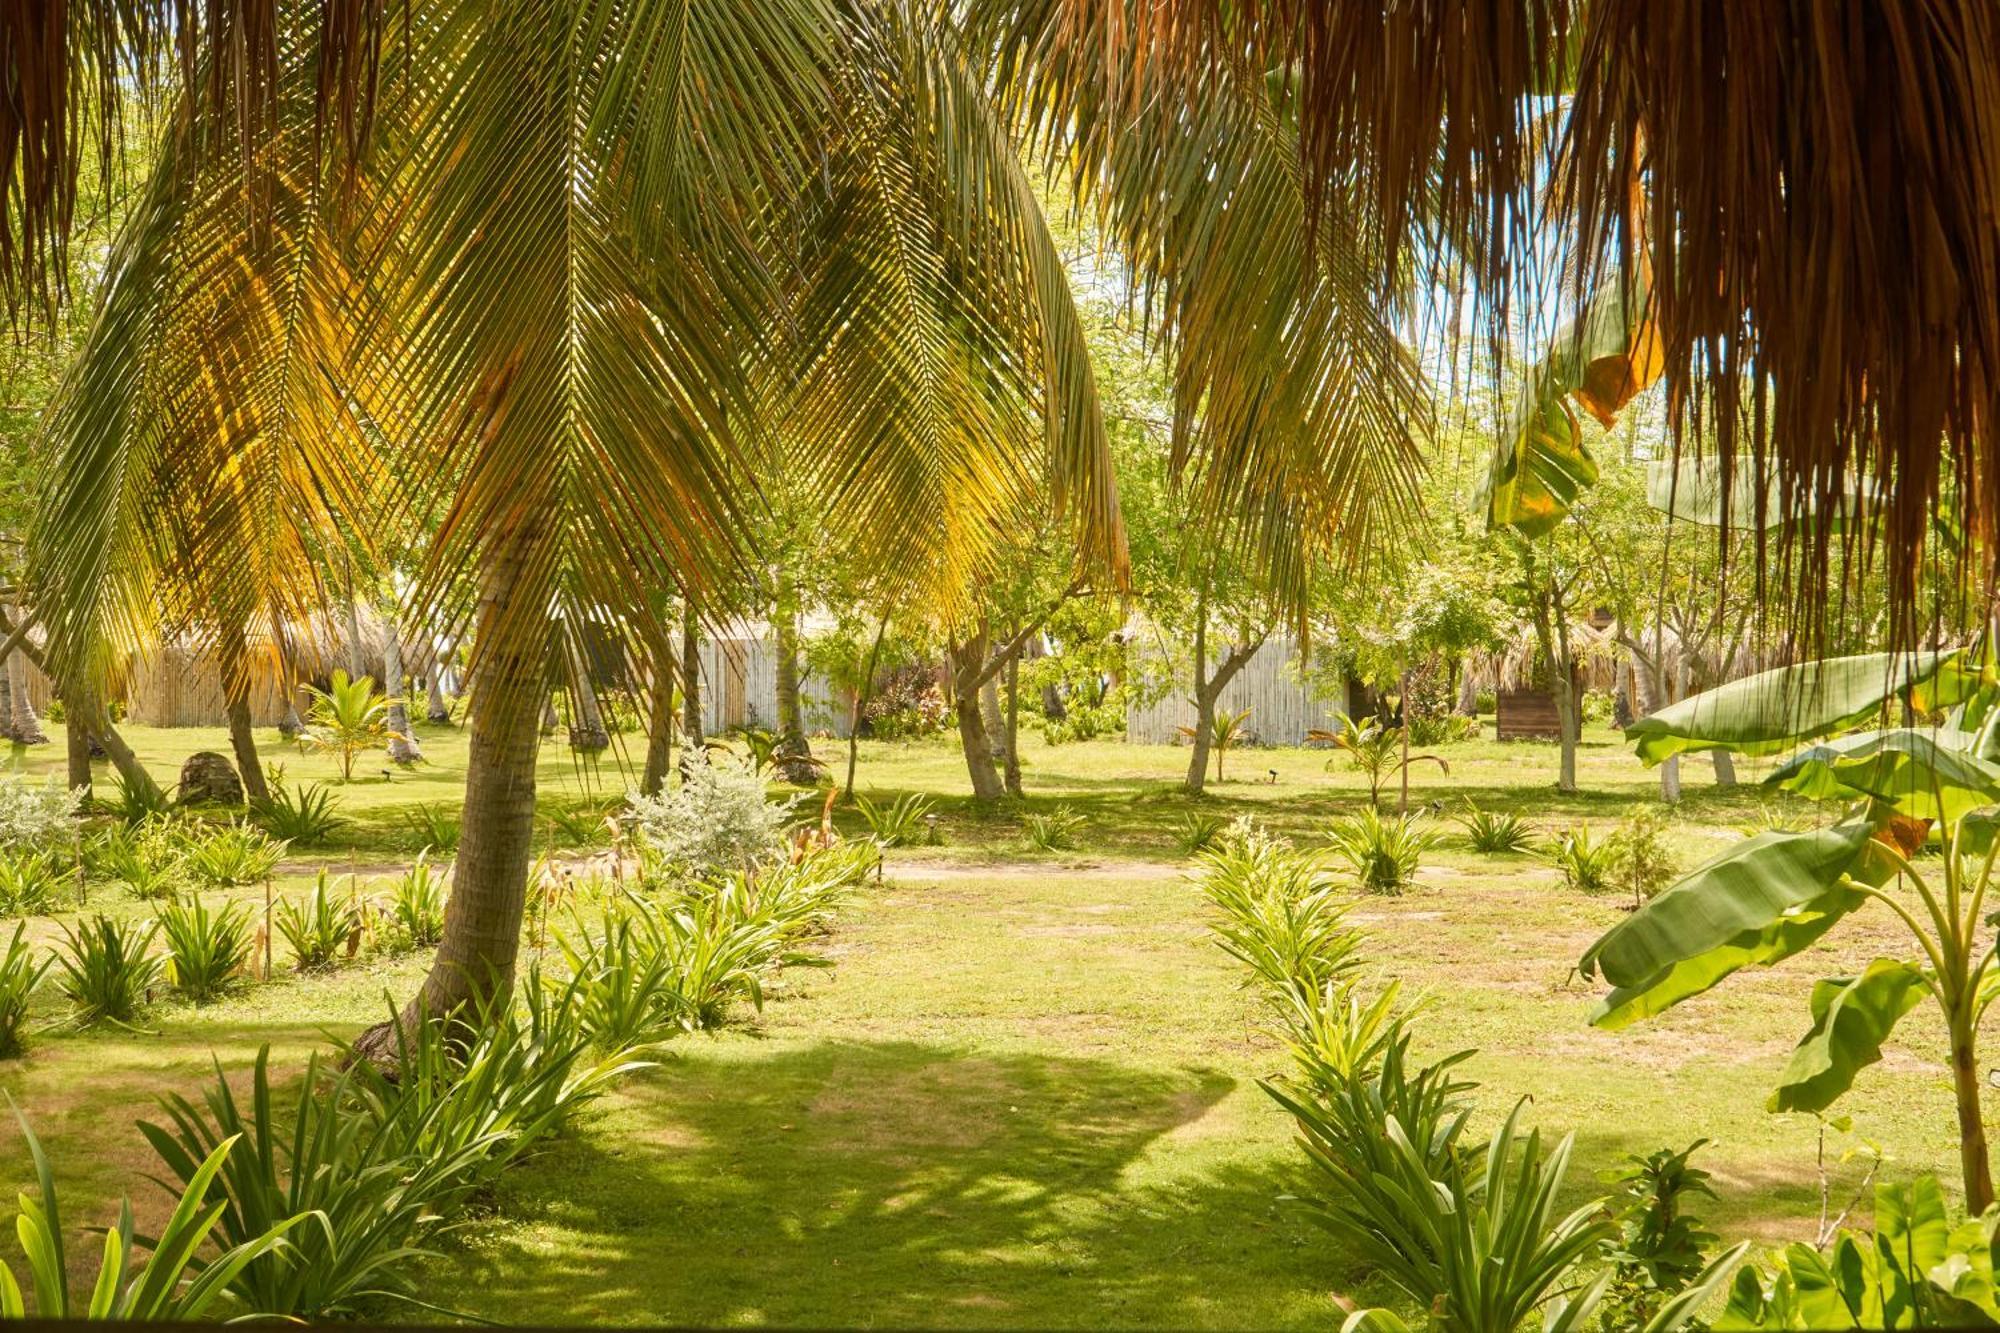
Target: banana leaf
[[1774, 710], [1690, 490], [1852, 1017], [1542, 463], [1925, 773], [1760, 901]]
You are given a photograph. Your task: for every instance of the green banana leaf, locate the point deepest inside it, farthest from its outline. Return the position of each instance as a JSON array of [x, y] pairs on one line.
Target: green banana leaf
[[1690, 490], [1852, 1017], [1542, 464], [1925, 773], [1760, 901], [1774, 710]]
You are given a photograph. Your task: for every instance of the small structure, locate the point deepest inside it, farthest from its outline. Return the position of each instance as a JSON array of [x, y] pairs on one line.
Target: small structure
[[1283, 703]]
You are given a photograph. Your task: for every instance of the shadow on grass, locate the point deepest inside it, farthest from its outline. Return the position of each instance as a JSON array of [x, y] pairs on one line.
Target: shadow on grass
[[898, 1183]]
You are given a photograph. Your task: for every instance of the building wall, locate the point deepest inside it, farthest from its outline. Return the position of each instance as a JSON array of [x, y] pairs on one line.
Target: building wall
[[739, 688], [1282, 708]]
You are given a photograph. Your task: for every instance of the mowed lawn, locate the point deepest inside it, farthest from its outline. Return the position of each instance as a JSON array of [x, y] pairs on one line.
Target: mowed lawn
[[1027, 1091]]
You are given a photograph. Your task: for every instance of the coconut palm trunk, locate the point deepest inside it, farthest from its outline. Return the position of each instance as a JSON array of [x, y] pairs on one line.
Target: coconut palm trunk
[[403, 748], [233, 658], [23, 726], [793, 755], [692, 738], [659, 724], [968, 663], [76, 741], [587, 731]]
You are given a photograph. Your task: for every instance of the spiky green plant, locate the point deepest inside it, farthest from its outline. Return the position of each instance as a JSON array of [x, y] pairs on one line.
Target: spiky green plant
[[1382, 855], [20, 974], [1052, 830], [234, 854], [302, 816], [1496, 832], [416, 903], [909, 821], [207, 952], [30, 882], [319, 927], [108, 970]]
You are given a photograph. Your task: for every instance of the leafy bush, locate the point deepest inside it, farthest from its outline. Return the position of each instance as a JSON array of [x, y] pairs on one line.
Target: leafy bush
[[1587, 866], [207, 952], [909, 822], [233, 854], [319, 928], [570, 827], [108, 971], [1662, 1246], [30, 882], [715, 818], [37, 815], [1496, 832], [416, 904], [437, 827], [1053, 830], [1640, 862], [1197, 832], [20, 974], [303, 817], [177, 1282], [1381, 854]]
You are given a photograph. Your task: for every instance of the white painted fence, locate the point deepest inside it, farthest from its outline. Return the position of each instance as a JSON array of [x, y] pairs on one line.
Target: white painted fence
[[1282, 708]]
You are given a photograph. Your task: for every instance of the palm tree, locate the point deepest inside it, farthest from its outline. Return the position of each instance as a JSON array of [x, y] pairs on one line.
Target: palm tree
[[556, 303], [348, 717]]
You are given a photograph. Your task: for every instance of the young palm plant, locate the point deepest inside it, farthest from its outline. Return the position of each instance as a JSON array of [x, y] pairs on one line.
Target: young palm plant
[[1225, 731], [348, 718], [1375, 751]]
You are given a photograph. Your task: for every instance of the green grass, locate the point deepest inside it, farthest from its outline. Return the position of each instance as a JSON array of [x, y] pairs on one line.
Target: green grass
[[1026, 1094]]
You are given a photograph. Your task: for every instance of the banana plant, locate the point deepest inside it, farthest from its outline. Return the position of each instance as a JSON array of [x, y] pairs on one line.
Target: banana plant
[[1776, 893]]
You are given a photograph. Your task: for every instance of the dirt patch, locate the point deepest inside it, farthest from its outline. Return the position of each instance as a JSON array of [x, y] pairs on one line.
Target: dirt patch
[[1066, 932]]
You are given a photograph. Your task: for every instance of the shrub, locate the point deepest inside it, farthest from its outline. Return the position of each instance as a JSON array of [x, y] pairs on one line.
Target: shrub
[[20, 974], [1662, 1245], [327, 1156], [179, 1281], [1197, 832], [574, 827], [1586, 866], [1053, 830], [143, 859], [108, 971], [236, 853], [30, 882], [207, 952], [416, 904], [1641, 863], [437, 827], [909, 822], [303, 817], [321, 927], [623, 980], [716, 818], [37, 815], [1496, 832], [136, 803], [1280, 915], [1382, 854]]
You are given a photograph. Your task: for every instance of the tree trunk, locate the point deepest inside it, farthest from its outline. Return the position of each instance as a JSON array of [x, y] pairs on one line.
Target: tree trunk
[[793, 755], [356, 661], [691, 732], [967, 661], [1013, 768], [25, 727], [96, 719], [76, 740], [587, 731], [291, 725], [233, 658], [659, 725], [991, 716], [1725, 769], [482, 923], [403, 747], [862, 691], [436, 710], [1204, 701]]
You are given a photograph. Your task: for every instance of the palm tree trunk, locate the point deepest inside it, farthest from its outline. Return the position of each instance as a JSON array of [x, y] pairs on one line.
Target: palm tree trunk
[[587, 731], [356, 663], [90, 710], [76, 740], [691, 729], [1204, 702], [25, 727], [659, 724], [1013, 769], [403, 748], [7, 704], [482, 923], [233, 658], [862, 690], [793, 755], [1725, 769]]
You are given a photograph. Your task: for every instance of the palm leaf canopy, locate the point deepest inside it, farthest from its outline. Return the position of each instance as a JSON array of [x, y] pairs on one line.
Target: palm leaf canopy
[[603, 263]]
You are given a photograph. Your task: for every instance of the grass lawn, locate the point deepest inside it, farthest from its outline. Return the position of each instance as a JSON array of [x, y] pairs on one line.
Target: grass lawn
[[1027, 1092]]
